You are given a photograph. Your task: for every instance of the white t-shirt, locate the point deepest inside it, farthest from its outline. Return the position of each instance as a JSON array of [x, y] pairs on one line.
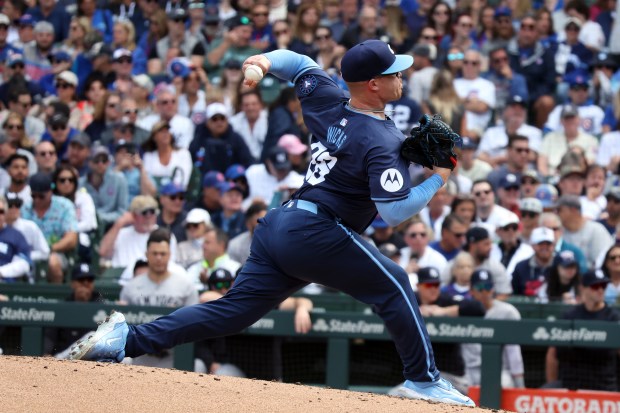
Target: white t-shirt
[[524, 252], [592, 209], [196, 113], [609, 147], [482, 89], [130, 246], [262, 184], [497, 215], [181, 127], [590, 119], [174, 291], [254, 138], [430, 258], [39, 248], [554, 146], [180, 160], [495, 140]]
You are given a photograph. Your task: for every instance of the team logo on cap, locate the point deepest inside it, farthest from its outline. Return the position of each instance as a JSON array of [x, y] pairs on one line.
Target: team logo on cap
[[484, 275], [391, 180], [84, 268], [307, 84], [433, 273], [599, 274]]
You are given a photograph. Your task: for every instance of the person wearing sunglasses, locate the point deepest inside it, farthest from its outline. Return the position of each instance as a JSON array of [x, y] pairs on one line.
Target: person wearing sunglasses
[[125, 241], [586, 368], [231, 218], [417, 235], [483, 292], [488, 212], [15, 261], [57, 218], [511, 249], [530, 274], [507, 82], [59, 133], [233, 44], [172, 216], [196, 223], [107, 187]]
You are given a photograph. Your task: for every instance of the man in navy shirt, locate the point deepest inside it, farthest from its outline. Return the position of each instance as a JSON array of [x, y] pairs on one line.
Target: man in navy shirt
[[356, 171], [14, 250]]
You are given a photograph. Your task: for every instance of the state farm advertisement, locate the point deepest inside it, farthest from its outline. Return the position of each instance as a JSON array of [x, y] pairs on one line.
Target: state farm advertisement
[[555, 401]]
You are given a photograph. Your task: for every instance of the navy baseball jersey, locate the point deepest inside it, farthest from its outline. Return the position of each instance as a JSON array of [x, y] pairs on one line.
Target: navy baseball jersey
[[355, 156]]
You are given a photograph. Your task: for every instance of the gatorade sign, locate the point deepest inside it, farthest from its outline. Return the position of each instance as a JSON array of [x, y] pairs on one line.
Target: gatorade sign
[[555, 401]]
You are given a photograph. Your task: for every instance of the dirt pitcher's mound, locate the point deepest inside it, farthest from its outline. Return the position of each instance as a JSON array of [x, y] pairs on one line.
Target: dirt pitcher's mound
[[48, 385]]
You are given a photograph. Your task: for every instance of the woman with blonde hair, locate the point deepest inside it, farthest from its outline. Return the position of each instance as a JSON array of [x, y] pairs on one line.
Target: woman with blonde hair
[[124, 37], [444, 101], [460, 277], [158, 29], [79, 29]]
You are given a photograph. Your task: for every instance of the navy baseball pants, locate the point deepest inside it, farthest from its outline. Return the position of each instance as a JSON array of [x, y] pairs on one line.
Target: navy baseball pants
[[294, 245]]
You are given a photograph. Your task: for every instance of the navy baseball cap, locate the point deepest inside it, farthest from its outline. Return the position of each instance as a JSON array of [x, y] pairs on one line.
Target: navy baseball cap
[[510, 181], [212, 179], [591, 278], [566, 259], [370, 59], [40, 182], [171, 189], [482, 277], [228, 186], [81, 272], [503, 12], [469, 143], [428, 275], [234, 171]]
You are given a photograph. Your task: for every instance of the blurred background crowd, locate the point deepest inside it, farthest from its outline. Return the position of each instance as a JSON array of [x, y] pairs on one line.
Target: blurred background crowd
[[124, 117]]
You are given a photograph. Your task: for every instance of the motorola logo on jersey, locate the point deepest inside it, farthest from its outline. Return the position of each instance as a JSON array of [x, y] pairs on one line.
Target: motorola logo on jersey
[[391, 180]]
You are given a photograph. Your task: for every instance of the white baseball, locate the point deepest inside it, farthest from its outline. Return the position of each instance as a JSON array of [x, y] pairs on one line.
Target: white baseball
[[253, 72]]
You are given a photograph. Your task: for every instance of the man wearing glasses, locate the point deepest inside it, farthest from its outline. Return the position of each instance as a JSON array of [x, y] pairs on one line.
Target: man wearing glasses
[[166, 107], [56, 217], [59, 133], [125, 241], [172, 216]]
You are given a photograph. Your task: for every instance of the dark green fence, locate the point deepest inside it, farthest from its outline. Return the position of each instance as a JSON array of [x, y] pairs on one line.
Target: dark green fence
[[337, 328]]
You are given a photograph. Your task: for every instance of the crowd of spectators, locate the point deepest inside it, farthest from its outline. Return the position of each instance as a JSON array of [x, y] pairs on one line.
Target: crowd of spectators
[[124, 117]]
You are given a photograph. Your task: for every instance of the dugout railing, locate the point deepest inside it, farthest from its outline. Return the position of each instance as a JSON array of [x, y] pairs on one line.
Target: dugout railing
[[338, 329]]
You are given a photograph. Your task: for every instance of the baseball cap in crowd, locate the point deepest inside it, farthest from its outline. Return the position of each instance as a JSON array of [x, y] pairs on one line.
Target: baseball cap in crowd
[[143, 81], [179, 67], [14, 58], [279, 158], [68, 77], [531, 205], [573, 20], [237, 21], [120, 53], [530, 173], [196, 4], [613, 193], [229, 186], [378, 222], [508, 219], [82, 272], [565, 259], [517, 100], [4, 19], [425, 50], [60, 56], [542, 234], [468, 143], [141, 203], [98, 150], [596, 277], [428, 275], [577, 78], [233, 64], [503, 12], [510, 181], [220, 278], [389, 250], [212, 179], [26, 20], [234, 171], [569, 111], [177, 14], [171, 188], [82, 139], [571, 169], [40, 182], [481, 279], [58, 119], [370, 59], [547, 195], [292, 144], [571, 201], [198, 216], [604, 59], [216, 108], [212, 15], [476, 234], [128, 146]]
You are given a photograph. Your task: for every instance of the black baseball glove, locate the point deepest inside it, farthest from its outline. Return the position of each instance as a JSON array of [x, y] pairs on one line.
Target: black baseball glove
[[431, 144]]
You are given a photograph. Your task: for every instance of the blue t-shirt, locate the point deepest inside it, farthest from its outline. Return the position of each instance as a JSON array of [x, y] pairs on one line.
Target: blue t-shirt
[[355, 157], [12, 243]]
